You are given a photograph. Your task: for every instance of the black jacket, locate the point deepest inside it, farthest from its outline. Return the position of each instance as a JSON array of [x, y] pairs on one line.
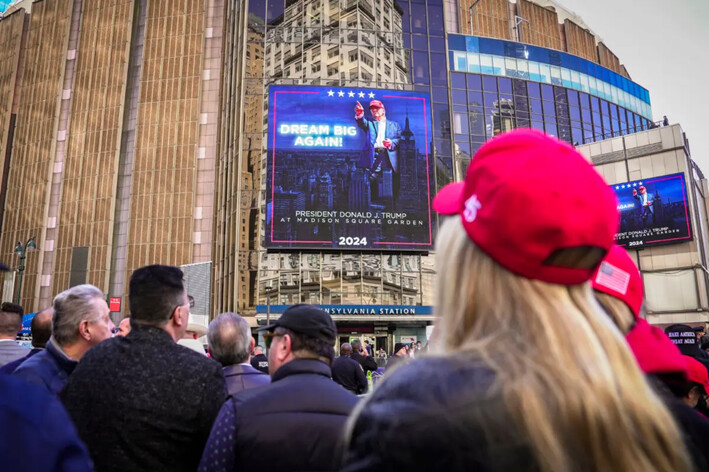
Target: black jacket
[[694, 427], [144, 403], [294, 424], [437, 414], [367, 363], [260, 362], [350, 374], [241, 377]]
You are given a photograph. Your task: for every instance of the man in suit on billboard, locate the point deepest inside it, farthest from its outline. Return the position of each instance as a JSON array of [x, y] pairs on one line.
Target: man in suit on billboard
[[645, 200], [382, 141]]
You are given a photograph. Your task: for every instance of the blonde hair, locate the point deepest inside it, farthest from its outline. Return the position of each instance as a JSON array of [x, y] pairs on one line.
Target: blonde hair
[[617, 309], [571, 380]]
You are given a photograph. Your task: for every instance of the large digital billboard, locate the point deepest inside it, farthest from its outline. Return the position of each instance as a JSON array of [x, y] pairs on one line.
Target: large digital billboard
[[653, 211], [348, 168]]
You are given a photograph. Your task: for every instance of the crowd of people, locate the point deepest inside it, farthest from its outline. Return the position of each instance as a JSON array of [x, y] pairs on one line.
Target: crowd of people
[[541, 358]]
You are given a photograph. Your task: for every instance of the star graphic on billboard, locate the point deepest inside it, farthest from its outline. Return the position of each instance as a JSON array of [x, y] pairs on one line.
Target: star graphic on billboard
[[340, 93], [351, 94], [371, 95], [361, 95], [330, 93]]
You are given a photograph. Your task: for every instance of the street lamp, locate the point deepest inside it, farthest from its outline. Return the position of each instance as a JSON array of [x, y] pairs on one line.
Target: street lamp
[[21, 252]]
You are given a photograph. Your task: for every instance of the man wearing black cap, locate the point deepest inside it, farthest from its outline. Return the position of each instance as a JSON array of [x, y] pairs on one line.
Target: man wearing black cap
[[398, 356], [296, 422]]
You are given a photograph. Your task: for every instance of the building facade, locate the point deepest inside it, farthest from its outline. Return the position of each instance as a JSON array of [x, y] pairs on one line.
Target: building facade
[[135, 132], [675, 275]]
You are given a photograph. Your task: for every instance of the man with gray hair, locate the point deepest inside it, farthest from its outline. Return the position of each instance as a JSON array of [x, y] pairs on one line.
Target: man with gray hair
[[81, 320], [230, 344]]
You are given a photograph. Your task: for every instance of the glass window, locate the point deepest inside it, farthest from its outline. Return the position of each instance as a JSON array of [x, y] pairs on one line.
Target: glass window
[[523, 69], [435, 19], [418, 18], [573, 98], [498, 65], [474, 82], [547, 92], [475, 99], [534, 73], [457, 80], [536, 105], [550, 128], [490, 99], [490, 84], [566, 77], [576, 136], [443, 147], [459, 61], [486, 64], [533, 89], [511, 67], [549, 108], [440, 94], [441, 116], [420, 42], [460, 123], [460, 97], [575, 113], [575, 79], [438, 69], [520, 87], [421, 67], [473, 62], [437, 44], [477, 122], [545, 73], [505, 85], [462, 148]]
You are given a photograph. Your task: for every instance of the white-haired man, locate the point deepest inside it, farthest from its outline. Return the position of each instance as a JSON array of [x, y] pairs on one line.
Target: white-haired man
[[81, 320], [230, 344]]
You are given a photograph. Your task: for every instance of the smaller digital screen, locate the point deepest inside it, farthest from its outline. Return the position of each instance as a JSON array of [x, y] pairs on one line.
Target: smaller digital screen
[[653, 211]]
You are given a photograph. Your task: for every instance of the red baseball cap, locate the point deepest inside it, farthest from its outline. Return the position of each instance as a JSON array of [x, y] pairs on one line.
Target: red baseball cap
[[619, 277], [654, 351], [697, 372], [375, 104], [527, 195]]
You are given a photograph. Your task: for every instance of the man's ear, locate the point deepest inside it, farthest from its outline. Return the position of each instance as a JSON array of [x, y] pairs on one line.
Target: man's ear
[[284, 348], [176, 318], [251, 345], [84, 330]]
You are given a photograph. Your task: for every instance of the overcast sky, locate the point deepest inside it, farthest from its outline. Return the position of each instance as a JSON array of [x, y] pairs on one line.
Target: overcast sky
[[664, 44]]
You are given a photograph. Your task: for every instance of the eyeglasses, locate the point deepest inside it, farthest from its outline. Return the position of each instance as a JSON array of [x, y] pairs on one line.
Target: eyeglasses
[[172, 313], [268, 338]]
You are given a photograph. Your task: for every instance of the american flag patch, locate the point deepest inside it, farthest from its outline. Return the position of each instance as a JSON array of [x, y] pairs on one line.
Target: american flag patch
[[614, 278]]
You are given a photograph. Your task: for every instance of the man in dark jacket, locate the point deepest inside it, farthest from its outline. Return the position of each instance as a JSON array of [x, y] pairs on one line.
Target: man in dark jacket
[[259, 361], [398, 356], [36, 431], [295, 423], [348, 372], [360, 355], [142, 402], [230, 342]]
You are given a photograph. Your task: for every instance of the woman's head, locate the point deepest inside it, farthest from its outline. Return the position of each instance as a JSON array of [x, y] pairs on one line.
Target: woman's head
[[514, 264]]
